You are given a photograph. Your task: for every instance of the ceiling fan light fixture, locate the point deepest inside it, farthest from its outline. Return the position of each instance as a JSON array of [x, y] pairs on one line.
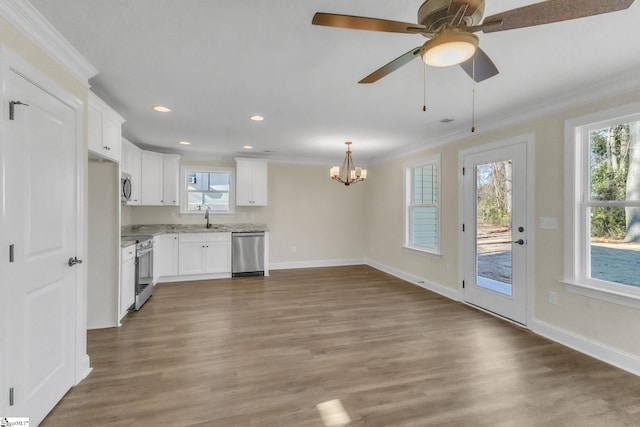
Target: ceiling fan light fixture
[[451, 47]]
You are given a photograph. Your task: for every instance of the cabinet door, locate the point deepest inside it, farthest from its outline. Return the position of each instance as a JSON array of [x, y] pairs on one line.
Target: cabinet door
[[167, 255], [152, 179], [243, 183], [171, 165], [104, 130], [127, 285], [126, 152], [111, 138], [191, 259], [259, 183], [136, 175], [217, 257], [251, 182], [95, 129]]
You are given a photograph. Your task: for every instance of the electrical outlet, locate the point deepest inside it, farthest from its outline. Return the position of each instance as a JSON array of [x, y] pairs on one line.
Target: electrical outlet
[[553, 297]]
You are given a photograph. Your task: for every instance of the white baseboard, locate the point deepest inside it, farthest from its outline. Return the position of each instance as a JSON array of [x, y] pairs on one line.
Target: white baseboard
[[316, 263], [83, 369], [597, 350], [423, 283]]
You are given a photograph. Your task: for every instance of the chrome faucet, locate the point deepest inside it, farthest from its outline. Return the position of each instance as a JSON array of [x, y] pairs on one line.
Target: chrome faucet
[[206, 216]]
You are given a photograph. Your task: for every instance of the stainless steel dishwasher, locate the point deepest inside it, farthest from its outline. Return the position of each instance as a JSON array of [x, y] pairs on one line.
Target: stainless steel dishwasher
[[247, 258]]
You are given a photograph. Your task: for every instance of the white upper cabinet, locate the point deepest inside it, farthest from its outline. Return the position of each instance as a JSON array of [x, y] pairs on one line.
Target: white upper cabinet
[[152, 178], [160, 177], [105, 130], [171, 172], [131, 164], [251, 182]]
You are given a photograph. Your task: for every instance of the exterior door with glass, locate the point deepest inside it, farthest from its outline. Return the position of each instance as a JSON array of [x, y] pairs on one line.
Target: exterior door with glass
[[495, 230]]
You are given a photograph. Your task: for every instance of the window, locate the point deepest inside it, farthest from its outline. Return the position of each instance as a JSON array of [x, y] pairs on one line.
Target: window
[[422, 205], [207, 187], [603, 217]]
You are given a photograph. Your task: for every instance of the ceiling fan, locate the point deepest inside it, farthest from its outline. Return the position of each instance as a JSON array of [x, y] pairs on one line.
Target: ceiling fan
[[449, 25]]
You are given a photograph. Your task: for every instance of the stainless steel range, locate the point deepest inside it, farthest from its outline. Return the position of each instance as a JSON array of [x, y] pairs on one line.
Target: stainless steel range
[[144, 268]]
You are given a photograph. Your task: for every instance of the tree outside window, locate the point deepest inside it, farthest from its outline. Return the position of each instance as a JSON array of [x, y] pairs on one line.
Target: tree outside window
[[611, 203]]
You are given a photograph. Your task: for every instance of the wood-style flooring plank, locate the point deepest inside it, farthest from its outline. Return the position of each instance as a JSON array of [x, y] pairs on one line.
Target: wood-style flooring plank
[[265, 351]]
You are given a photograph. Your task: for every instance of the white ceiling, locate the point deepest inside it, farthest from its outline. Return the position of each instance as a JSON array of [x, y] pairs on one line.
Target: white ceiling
[[215, 63]]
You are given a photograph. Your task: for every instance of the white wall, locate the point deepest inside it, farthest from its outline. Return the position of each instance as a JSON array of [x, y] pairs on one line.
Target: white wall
[[102, 261]]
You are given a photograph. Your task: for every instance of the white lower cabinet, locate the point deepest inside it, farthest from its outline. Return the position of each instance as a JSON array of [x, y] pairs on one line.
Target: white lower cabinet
[[127, 278], [204, 253], [166, 255]]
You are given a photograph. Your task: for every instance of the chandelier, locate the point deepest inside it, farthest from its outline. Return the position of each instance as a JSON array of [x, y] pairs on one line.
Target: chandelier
[[349, 173]]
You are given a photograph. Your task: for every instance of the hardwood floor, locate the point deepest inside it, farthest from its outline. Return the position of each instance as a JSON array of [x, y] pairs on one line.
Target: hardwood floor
[[266, 351]]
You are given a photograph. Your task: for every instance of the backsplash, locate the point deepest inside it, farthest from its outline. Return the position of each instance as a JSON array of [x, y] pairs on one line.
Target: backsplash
[[134, 215]]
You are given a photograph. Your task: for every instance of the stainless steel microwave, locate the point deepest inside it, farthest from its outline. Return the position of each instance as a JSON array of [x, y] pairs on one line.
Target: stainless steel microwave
[[125, 187]]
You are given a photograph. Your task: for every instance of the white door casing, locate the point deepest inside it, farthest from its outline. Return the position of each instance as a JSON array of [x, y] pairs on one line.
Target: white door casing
[[40, 218], [515, 302]]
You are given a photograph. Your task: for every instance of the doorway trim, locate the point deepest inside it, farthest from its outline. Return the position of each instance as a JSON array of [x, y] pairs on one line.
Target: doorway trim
[[529, 141]]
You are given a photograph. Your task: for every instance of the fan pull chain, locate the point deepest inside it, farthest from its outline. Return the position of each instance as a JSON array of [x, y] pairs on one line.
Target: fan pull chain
[[473, 95], [424, 105]]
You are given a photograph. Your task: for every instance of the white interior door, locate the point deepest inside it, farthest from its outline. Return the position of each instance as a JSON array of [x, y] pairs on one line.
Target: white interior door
[[40, 218], [495, 230]]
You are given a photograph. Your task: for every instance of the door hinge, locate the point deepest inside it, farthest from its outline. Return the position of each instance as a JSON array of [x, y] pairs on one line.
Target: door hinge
[[463, 170], [462, 227], [12, 104], [463, 284], [11, 396], [11, 253]]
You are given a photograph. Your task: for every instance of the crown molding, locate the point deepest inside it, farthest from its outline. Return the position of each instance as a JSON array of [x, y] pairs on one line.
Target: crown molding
[[22, 15], [602, 90]]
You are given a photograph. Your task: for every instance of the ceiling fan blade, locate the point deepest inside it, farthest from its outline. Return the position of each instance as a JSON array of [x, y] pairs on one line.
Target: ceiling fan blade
[[484, 66], [391, 66], [363, 23], [547, 12], [472, 5]]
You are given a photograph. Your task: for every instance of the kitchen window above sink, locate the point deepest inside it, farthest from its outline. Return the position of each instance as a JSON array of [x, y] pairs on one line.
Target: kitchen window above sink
[[207, 187]]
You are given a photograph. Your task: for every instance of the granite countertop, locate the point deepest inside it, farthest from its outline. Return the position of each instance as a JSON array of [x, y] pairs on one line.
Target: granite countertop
[[156, 229], [125, 243]]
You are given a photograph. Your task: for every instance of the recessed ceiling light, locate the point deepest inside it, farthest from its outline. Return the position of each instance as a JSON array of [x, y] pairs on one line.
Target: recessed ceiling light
[[184, 143], [247, 147], [161, 109], [257, 118]]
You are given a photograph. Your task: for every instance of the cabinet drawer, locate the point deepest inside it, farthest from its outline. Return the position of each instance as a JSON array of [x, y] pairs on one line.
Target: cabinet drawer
[[127, 253], [190, 237], [217, 237]]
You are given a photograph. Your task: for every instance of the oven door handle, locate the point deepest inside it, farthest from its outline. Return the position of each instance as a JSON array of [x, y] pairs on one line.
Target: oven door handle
[[143, 252]]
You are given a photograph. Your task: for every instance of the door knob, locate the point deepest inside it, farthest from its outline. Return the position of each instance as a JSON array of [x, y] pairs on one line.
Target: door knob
[[519, 241], [73, 261]]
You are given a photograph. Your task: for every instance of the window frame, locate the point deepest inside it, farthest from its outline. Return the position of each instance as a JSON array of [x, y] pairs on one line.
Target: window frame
[[408, 204], [577, 238], [184, 193]]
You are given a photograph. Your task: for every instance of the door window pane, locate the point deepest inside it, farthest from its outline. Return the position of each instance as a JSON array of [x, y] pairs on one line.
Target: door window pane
[[493, 227]]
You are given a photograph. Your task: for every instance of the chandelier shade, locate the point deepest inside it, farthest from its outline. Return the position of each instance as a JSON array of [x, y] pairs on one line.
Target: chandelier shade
[[349, 173]]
